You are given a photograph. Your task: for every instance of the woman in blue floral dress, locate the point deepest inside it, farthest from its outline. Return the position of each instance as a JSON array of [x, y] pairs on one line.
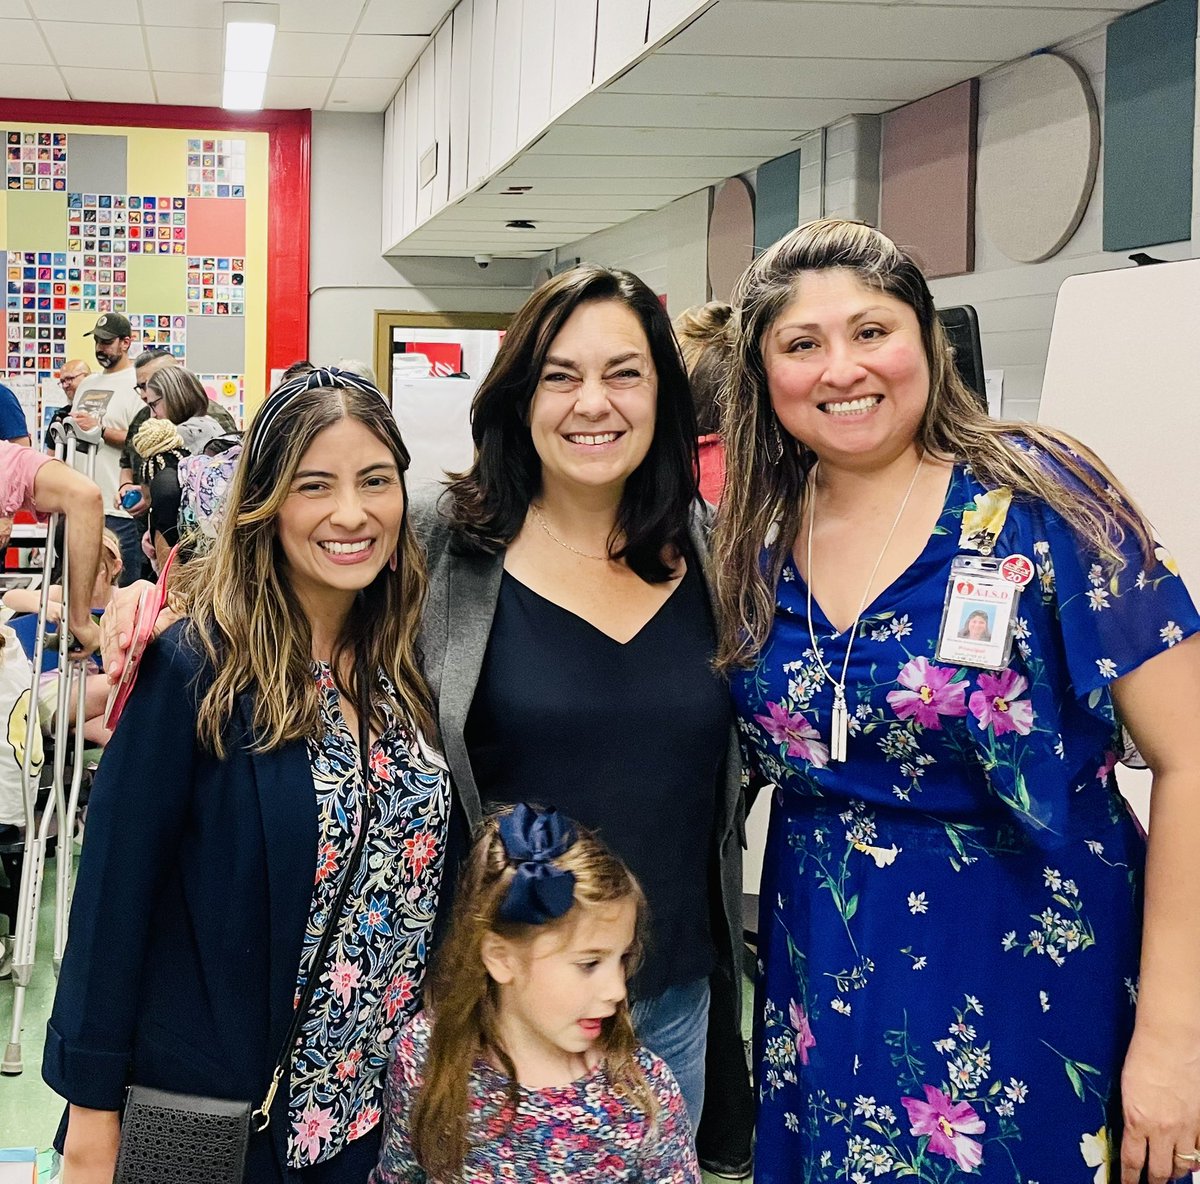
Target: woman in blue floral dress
[[958, 911]]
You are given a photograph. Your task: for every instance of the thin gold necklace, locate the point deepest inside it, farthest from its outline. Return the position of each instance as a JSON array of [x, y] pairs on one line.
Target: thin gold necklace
[[839, 721], [565, 545]]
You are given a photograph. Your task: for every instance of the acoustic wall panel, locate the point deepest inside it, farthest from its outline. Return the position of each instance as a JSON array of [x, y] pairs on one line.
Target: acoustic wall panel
[[1149, 117], [1038, 147], [730, 236], [927, 179], [777, 199]]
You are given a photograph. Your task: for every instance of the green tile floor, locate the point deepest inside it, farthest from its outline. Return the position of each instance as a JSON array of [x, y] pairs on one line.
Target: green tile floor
[[29, 1109]]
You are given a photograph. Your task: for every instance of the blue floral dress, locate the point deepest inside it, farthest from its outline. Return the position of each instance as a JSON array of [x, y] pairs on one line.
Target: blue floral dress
[[371, 982], [950, 920]]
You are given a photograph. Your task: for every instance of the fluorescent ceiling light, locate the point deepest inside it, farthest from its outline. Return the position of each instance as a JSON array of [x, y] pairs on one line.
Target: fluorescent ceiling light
[[249, 35]]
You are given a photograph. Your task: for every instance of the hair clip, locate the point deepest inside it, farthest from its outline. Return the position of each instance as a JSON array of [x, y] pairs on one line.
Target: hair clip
[[533, 839]]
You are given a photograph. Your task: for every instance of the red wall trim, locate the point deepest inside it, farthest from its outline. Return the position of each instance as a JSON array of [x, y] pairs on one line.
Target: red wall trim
[[289, 171]]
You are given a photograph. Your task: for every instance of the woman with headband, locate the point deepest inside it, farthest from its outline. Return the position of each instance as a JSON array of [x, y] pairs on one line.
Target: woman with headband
[[267, 833]]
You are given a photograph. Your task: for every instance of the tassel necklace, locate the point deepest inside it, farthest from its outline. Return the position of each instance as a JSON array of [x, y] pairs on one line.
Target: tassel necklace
[[839, 724]]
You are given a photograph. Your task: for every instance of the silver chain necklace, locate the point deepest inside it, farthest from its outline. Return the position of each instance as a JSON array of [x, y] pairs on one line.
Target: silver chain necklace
[[566, 546], [839, 723]]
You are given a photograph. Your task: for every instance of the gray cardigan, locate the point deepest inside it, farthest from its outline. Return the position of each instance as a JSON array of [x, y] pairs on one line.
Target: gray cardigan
[[463, 590]]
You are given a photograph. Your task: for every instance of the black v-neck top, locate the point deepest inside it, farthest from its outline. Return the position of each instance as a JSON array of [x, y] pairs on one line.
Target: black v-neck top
[[629, 739]]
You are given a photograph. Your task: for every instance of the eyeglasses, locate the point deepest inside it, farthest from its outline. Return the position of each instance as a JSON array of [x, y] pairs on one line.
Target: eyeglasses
[[153, 404], [68, 378]]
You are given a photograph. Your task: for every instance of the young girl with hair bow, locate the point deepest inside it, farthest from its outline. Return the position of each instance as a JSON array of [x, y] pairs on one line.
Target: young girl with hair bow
[[526, 1061]]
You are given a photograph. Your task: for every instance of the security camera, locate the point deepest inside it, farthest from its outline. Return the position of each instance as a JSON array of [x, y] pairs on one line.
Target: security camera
[[482, 261]]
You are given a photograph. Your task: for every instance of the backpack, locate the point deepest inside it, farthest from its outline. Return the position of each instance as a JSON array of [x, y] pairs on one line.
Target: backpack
[[204, 482]]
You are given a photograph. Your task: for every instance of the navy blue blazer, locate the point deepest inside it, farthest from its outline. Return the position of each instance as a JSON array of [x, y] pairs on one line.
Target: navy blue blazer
[[186, 930]]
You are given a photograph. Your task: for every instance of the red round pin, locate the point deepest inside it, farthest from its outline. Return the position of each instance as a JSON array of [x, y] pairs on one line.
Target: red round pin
[[1016, 569]]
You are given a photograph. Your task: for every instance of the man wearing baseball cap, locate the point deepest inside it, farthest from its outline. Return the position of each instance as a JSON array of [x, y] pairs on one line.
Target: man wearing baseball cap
[[110, 400]]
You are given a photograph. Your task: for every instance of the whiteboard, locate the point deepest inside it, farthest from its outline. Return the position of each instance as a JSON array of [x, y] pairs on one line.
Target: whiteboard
[[434, 415], [1121, 376]]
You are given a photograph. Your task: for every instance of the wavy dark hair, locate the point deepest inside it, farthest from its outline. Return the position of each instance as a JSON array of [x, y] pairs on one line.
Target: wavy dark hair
[[490, 500]]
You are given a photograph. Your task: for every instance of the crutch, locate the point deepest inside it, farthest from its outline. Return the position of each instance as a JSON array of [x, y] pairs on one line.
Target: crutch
[[67, 436]]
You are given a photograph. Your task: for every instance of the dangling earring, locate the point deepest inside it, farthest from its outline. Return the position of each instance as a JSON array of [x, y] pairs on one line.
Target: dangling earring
[[394, 562], [776, 441]]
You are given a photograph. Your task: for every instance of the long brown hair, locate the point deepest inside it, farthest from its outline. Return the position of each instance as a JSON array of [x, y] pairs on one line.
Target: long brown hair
[[461, 996], [767, 469], [247, 620]]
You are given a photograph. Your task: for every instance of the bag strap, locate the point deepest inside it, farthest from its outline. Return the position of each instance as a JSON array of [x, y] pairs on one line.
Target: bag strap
[[260, 1119]]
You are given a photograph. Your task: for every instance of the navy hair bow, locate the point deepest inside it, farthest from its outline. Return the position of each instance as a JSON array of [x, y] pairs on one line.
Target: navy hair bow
[[533, 839]]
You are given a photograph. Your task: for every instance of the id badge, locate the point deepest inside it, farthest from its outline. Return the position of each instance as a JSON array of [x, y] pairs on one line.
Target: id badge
[[980, 612]]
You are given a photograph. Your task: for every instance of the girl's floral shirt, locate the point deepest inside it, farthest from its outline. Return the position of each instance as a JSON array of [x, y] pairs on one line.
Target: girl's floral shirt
[[372, 978], [586, 1131], [950, 923]]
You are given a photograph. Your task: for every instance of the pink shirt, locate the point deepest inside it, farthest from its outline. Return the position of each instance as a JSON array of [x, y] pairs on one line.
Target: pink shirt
[[18, 467]]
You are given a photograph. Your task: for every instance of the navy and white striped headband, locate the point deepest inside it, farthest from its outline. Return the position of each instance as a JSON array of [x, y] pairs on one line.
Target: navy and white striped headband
[[282, 396]]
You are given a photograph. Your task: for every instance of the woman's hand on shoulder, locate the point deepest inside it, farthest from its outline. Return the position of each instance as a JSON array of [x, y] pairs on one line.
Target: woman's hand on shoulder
[[116, 626], [90, 1151]]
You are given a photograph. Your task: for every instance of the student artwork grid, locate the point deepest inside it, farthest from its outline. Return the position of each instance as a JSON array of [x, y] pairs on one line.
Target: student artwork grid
[[36, 303], [216, 285], [216, 168], [157, 225], [96, 283], [37, 161], [37, 341], [158, 331]]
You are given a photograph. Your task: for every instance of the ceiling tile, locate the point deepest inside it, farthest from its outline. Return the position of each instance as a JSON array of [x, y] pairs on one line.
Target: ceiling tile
[[298, 54], [380, 56], [20, 42], [116, 12], [411, 16], [361, 94], [32, 82], [296, 92], [321, 16], [188, 90], [100, 47], [185, 14], [108, 86], [192, 50]]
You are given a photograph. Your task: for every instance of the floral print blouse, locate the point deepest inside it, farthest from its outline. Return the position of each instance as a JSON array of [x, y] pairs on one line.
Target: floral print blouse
[[585, 1132], [375, 968]]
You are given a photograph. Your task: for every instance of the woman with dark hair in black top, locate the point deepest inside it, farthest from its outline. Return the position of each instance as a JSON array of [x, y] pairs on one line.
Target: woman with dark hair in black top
[[569, 634]]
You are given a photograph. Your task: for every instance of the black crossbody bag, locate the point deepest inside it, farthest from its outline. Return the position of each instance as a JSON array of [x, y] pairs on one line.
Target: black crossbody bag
[[169, 1138]]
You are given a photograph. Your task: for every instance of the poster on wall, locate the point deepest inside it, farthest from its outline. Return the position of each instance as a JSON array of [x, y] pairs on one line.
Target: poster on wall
[[166, 226]]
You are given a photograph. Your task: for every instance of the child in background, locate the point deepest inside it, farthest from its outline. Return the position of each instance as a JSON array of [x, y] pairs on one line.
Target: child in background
[[525, 1065]]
